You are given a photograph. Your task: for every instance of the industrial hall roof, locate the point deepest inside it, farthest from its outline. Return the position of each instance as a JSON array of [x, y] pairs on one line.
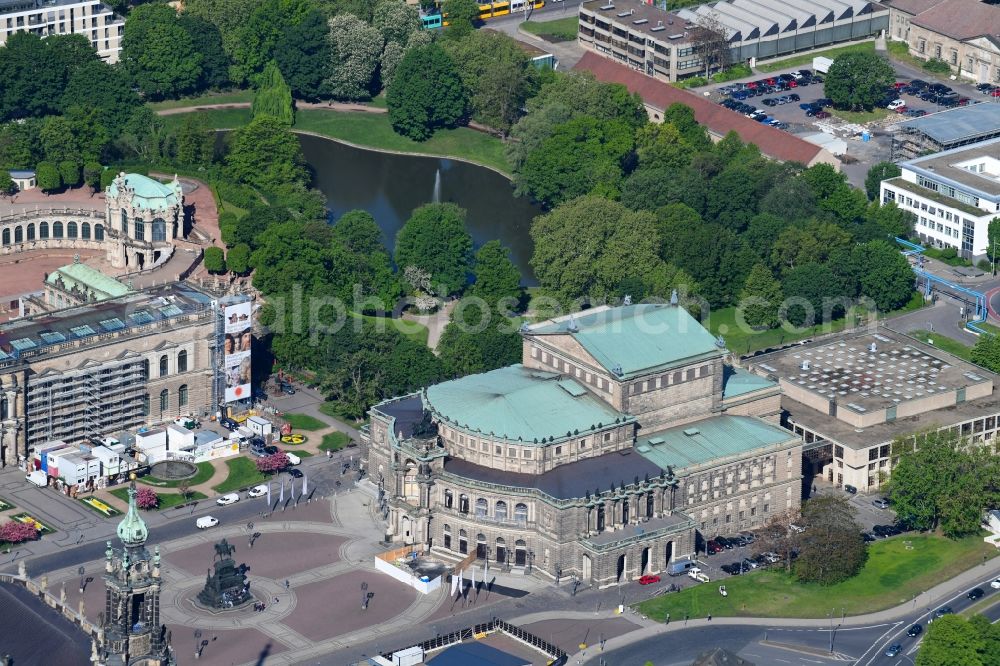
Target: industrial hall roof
[[519, 403], [717, 119], [962, 124], [633, 339], [709, 440]]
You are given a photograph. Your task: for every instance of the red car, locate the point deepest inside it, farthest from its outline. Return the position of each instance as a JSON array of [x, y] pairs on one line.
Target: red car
[[995, 92], [793, 84], [901, 109], [649, 579], [900, 84], [822, 114]]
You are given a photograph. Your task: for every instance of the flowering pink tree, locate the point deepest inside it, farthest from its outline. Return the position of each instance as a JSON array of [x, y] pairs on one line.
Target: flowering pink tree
[[146, 498], [15, 532], [272, 463]]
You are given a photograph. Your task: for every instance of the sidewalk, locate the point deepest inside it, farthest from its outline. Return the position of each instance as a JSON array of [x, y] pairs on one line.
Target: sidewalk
[[929, 599]]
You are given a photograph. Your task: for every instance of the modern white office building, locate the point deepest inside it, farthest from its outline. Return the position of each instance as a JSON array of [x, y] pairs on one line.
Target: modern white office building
[[953, 194], [95, 21]]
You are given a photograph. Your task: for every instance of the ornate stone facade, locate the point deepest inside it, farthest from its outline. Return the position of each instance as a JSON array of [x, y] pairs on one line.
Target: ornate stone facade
[[605, 455], [143, 217]]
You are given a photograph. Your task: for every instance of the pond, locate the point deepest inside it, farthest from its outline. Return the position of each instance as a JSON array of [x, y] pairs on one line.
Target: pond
[[390, 186]]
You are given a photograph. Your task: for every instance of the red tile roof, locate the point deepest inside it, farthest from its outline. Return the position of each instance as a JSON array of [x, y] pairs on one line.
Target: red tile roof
[[719, 120], [960, 19]]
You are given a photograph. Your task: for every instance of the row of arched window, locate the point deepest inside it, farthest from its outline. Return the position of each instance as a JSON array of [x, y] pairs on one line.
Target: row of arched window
[[182, 399], [182, 363], [139, 226], [27, 233], [500, 512]]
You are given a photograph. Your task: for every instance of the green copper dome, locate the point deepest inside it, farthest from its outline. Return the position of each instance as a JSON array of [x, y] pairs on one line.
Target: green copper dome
[[132, 530]]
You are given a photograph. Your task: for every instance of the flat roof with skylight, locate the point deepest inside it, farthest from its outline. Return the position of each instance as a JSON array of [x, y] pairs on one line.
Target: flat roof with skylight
[[974, 168], [874, 378]]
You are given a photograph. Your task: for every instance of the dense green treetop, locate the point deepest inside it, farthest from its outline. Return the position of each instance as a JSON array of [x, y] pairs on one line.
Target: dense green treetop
[[497, 278], [215, 260], [954, 640], [876, 174], [238, 259], [435, 239], [158, 53], [814, 295], [273, 98], [303, 55], [462, 16], [761, 298], [266, 155], [885, 274], [35, 72], [207, 40], [355, 48], [858, 80], [397, 21], [426, 93]]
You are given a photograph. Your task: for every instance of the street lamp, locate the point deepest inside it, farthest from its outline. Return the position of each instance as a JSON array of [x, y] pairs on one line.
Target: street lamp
[[83, 582], [197, 643]]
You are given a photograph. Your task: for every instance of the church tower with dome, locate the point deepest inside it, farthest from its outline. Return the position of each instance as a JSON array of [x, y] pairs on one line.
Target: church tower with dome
[[143, 219], [132, 632]]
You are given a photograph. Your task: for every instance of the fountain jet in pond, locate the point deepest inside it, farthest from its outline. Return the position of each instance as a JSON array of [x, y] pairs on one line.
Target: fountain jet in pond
[[437, 187]]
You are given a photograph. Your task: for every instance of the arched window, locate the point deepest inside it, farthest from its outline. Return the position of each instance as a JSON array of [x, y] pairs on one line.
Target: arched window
[[124, 222], [463, 503], [164, 400], [159, 230], [482, 506], [31, 232], [18, 235], [57, 230], [6, 237], [43, 230], [98, 232], [71, 230], [182, 395], [140, 230], [3, 409], [182, 361], [145, 369], [163, 365], [501, 511], [447, 537], [145, 405], [449, 499], [521, 513], [85, 231]]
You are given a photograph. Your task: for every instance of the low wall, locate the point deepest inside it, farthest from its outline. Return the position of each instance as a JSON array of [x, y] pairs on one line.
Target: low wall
[[390, 569]]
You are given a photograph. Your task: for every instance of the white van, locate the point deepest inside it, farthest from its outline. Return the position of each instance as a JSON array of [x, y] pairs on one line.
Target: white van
[[205, 522], [293, 459], [39, 478]]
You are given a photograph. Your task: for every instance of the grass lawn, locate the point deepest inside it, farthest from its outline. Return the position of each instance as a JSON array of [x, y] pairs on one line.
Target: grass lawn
[[167, 500], [231, 97], [205, 472], [898, 569], [304, 422], [379, 101], [216, 118], [242, 473], [562, 30], [374, 130], [945, 343], [304, 454], [862, 117], [990, 328], [415, 331], [330, 409], [334, 441], [741, 341], [807, 58]]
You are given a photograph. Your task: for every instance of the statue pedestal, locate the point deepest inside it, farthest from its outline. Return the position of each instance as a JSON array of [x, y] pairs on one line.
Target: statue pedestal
[[227, 587]]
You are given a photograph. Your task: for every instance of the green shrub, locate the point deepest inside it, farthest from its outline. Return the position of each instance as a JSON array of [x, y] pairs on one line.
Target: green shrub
[[937, 66], [693, 82], [985, 265], [735, 72], [236, 194], [949, 253]]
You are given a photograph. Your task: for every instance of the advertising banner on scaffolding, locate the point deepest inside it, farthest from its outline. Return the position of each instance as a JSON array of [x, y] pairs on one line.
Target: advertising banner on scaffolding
[[236, 351]]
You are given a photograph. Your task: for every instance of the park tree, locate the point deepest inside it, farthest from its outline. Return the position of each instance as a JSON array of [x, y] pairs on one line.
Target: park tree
[[650, 189], [777, 537], [238, 259], [582, 156], [255, 40], [590, 248], [889, 220], [29, 90], [397, 21], [392, 55], [711, 42], [470, 345], [355, 48], [144, 136], [791, 200], [760, 300], [71, 172], [215, 260], [876, 174], [359, 233], [195, 141], [813, 295], [831, 550], [497, 278], [363, 240], [92, 175], [207, 40], [265, 154], [435, 239], [857, 81], [993, 241], [661, 146], [48, 177], [304, 57], [732, 197], [7, 184], [495, 71], [20, 145], [986, 352], [426, 93], [953, 640], [273, 97], [682, 117], [885, 275], [939, 481], [158, 53], [811, 243], [146, 498], [462, 17], [228, 16], [97, 85]]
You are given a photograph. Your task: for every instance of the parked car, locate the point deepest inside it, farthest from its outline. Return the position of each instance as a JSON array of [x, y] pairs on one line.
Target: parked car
[[975, 593], [257, 491], [295, 473], [711, 548], [770, 102], [228, 423], [918, 84], [749, 563], [895, 104], [288, 389], [649, 579], [881, 503], [794, 97], [850, 489], [226, 500], [205, 522], [798, 529], [894, 650], [915, 630], [944, 610], [995, 584], [868, 537]]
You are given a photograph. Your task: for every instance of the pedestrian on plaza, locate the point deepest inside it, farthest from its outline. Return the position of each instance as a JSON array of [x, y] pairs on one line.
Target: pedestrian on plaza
[[276, 600], [329, 454], [286, 584], [709, 617]]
